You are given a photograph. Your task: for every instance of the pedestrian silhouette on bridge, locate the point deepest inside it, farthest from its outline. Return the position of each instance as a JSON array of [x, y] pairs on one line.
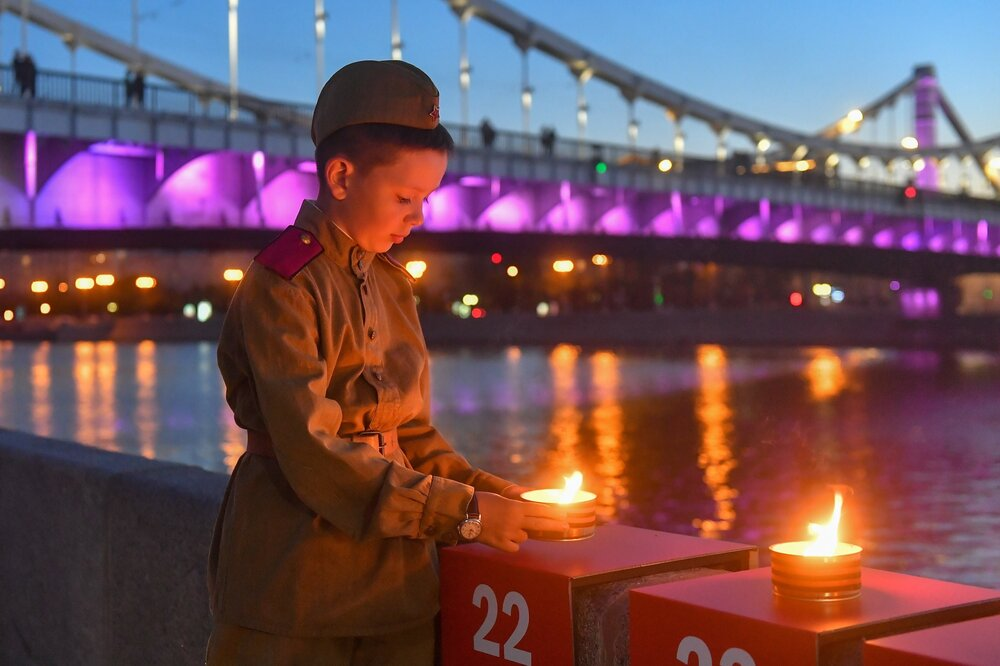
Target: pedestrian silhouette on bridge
[[548, 139], [135, 88], [30, 75], [24, 73], [489, 134]]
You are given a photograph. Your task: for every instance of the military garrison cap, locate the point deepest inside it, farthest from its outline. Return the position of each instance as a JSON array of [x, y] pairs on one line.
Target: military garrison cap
[[376, 91]]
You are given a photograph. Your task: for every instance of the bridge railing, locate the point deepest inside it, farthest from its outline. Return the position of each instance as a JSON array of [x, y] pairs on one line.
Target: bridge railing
[[83, 89], [87, 90]]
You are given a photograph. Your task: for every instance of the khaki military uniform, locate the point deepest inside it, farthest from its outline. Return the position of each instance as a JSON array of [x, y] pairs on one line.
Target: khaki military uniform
[[329, 538]]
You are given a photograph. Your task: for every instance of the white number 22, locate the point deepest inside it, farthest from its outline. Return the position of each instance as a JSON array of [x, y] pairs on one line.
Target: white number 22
[[692, 645], [480, 643]]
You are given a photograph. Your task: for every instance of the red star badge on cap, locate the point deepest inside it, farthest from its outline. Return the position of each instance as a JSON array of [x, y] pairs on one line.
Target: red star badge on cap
[[435, 112]]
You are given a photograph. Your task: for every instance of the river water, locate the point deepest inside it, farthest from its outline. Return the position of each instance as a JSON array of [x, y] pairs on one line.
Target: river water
[[741, 445]]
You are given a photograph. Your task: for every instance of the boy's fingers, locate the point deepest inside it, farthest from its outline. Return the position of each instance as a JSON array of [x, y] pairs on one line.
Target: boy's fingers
[[536, 510], [539, 524]]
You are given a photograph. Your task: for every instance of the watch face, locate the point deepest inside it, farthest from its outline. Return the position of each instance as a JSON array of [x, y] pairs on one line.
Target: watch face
[[470, 529]]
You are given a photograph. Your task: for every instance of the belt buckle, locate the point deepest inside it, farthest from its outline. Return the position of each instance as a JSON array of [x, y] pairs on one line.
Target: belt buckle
[[375, 433]]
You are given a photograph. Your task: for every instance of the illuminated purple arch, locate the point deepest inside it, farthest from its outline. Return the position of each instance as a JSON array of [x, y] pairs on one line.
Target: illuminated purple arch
[[208, 191], [281, 198], [94, 191]]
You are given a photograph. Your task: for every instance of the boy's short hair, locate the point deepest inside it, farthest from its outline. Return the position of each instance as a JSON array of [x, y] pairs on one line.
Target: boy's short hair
[[371, 109], [375, 144]]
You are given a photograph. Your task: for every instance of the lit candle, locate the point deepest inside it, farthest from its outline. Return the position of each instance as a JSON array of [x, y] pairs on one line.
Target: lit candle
[[580, 506], [823, 569]]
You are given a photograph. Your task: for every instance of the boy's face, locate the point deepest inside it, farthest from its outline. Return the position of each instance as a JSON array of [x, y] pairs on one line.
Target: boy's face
[[379, 206]]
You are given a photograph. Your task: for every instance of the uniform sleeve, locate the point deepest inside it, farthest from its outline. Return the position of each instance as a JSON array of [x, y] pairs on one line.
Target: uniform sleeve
[[346, 483], [430, 453]]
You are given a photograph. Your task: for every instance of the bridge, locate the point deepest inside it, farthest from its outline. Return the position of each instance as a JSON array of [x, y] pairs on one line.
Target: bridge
[[200, 163]]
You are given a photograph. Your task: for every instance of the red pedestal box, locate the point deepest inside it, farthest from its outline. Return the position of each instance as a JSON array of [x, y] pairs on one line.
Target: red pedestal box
[[517, 608], [736, 620], [970, 643]]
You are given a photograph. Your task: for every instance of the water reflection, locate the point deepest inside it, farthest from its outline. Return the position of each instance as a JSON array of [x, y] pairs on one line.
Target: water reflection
[[6, 380], [41, 385], [564, 427], [664, 439], [825, 373], [715, 456], [147, 413], [608, 424]]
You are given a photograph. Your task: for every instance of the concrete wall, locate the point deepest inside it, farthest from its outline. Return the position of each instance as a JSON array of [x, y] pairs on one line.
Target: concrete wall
[[102, 555]]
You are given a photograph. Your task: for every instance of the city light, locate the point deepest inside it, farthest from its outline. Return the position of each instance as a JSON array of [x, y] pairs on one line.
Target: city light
[[542, 310], [232, 275], [189, 310], [105, 280], [204, 311], [416, 268], [496, 258], [822, 289], [795, 299], [8, 315], [865, 162], [461, 310], [910, 192], [894, 285], [39, 286], [63, 287], [45, 308], [112, 307], [478, 313], [600, 260], [84, 283], [3, 283], [764, 145], [512, 271], [919, 164], [909, 142], [665, 165], [145, 282], [837, 296], [562, 265], [470, 300], [855, 115]]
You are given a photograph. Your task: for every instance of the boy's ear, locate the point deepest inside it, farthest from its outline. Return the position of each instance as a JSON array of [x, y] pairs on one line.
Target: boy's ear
[[338, 174]]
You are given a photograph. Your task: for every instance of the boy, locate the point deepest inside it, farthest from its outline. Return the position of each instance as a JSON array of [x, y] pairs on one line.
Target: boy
[[324, 551]]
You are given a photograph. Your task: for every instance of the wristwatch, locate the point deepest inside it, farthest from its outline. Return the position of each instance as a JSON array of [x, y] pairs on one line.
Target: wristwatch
[[470, 528]]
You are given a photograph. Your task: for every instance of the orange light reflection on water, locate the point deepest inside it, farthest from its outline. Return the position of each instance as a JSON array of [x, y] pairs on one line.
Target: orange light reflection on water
[[608, 425], [715, 455], [825, 373], [146, 410], [84, 374], [564, 429], [41, 385], [605, 476], [6, 378]]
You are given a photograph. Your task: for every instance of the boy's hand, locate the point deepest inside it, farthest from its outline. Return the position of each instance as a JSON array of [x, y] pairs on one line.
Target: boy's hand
[[513, 491], [505, 521]]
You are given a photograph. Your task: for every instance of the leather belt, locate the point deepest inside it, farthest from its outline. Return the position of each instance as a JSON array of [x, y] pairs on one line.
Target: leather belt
[[385, 442]]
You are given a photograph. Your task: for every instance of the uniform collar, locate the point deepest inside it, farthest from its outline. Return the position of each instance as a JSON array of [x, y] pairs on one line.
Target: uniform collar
[[336, 242]]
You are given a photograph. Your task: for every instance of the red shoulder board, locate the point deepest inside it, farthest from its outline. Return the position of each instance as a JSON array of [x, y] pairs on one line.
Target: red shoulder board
[[398, 266], [289, 253]]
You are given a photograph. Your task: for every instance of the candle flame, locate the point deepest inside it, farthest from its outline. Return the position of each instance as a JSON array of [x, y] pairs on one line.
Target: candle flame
[[825, 543], [573, 483]]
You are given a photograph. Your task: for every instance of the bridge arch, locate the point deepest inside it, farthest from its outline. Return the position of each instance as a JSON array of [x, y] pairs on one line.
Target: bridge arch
[[209, 190]]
